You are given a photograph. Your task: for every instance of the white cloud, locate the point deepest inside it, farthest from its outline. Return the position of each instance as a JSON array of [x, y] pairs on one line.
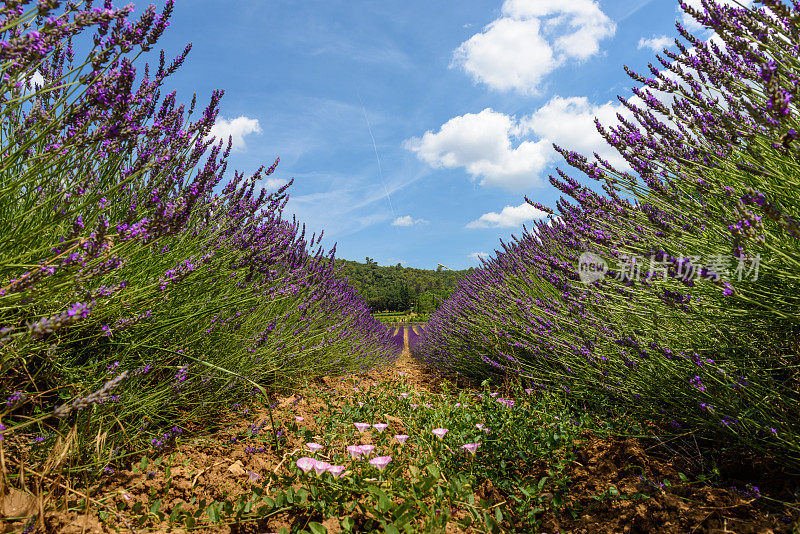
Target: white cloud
[[483, 143], [272, 184], [656, 43], [236, 129], [477, 256], [509, 217], [531, 39], [569, 123], [407, 220]]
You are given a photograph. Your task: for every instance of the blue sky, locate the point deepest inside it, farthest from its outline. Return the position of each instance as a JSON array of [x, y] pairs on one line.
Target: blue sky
[[461, 101]]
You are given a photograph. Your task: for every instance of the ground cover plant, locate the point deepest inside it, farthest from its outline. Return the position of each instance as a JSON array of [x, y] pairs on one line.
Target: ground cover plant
[[690, 316], [396, 450], [142, 294]]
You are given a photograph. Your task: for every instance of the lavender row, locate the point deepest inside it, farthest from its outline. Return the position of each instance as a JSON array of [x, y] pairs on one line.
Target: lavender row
[[143, 294], [633, 293]]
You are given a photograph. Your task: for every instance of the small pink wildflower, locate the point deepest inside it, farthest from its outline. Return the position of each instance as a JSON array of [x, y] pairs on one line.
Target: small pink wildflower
[[314, 447], [321, 467], [494, 394], [402, 373], [440, 432], [528, 390], [306, 464], [336, 471], [458, 405], [471, 447], [381, 462], [414, 405], [380, 427], [404, 395], [401, 438], [360, 404], [429, 406], [361, 426], [254, 476], [354, 451], [366, 449], [480, 426], [298, 418]]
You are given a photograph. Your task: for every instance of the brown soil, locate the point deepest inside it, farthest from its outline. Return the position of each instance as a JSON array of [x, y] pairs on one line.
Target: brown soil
[[207, 468]]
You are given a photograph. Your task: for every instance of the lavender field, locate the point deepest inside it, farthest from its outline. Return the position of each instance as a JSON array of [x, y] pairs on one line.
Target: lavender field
[[158, 320]]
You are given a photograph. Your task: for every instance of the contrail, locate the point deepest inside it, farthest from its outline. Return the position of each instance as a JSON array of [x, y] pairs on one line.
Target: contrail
[[377, 158]]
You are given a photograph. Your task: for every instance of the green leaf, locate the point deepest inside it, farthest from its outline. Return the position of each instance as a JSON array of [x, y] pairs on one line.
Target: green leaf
[[317, 528], [683, 477], [213, 512], [348, 523], [498, 514], [433, 470], [173, 515], [391, 529]]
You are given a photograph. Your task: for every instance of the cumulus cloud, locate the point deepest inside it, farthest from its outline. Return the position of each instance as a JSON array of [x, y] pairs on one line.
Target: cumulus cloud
[[408, 220], [509, 217], [505, 151], [656, 43], [531, 39], [236, 129], [482, 144]]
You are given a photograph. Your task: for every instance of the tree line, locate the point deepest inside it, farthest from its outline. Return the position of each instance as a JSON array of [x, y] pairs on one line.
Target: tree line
[[397, 288]]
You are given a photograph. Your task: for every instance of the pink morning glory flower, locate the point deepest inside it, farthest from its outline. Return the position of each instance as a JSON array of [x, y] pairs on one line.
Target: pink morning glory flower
[[298, 418], [380, 427], [361, 426], [336, 470], [404, 395], [428, 405], [314, 447], [528, 390], [471, 447], [479, 425], [354, 451], [254, 476], [458, 405], [401, 373], [414, 405], [366, 449], [306, 464], [494, 394], [381, 462], [401, 438], [440, 432], [321, 467], [360, 404]]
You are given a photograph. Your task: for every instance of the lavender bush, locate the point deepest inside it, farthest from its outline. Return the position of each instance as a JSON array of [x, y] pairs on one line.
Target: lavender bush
[[141, 295], [671, 330]]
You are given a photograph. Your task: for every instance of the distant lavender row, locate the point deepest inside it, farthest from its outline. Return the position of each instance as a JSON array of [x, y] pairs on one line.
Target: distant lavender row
[[670, 330], [140, 294]]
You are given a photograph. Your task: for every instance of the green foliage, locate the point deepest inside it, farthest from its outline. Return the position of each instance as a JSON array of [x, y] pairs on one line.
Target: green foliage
[[400, 289]]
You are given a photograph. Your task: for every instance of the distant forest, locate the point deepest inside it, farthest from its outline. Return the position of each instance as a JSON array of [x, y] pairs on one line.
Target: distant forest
[[400, 288]]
